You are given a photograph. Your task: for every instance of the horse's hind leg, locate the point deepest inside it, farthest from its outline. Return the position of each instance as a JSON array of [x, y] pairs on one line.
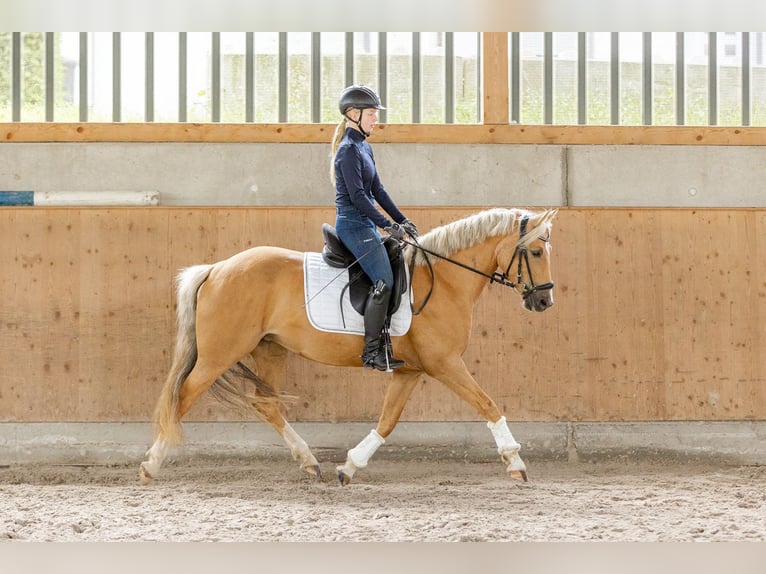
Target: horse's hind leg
[[155, 457], [270, 359], [397, 394], [197, 382]]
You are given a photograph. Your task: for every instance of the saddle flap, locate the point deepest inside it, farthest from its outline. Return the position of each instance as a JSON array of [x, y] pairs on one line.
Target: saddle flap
[[328, 305]]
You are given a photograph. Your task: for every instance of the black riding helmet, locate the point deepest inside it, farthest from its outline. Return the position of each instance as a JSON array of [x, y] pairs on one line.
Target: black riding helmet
[[359, 97]]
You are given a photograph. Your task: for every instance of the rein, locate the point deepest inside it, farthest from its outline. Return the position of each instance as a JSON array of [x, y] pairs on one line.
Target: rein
[[496, 277]]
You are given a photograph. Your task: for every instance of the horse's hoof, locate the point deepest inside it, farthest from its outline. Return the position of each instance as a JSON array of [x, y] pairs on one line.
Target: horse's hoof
[[313, 470], [520, 475], [144, 476], [344, 479]]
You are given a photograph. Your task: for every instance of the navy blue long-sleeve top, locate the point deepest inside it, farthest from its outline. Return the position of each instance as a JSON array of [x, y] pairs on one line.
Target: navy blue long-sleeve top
[[357, 182]]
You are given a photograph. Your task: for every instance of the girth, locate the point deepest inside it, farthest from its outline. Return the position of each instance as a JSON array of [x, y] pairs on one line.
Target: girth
[[336, 254]]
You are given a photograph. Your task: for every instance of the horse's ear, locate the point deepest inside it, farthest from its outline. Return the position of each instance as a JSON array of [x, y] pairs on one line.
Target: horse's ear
[[549, 215]]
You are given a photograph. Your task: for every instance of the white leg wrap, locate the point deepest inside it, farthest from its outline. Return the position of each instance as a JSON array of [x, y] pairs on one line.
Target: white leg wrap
[[503, 437], [361, 453]]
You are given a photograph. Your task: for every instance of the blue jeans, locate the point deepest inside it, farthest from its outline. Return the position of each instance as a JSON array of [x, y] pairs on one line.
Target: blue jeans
[[359, 234]]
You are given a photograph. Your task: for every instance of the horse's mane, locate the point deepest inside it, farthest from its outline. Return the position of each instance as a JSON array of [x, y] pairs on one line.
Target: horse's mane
[[474, 229]]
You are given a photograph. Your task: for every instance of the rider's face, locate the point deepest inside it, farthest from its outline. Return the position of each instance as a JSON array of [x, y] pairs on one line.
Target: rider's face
[[369, 118]]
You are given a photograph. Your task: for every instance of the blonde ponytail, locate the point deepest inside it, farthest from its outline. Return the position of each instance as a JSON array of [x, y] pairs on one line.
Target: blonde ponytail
[[339, 131]]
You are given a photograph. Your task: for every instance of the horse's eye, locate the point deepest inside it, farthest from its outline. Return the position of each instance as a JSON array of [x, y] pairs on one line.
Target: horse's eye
[[537, 252]]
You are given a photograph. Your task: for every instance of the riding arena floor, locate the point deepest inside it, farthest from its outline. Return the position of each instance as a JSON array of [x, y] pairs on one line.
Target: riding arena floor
[[396, 498]]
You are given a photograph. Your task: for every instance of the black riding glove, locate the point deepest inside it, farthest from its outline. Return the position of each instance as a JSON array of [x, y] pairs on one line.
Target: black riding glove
[[395, 230], [410, 228]]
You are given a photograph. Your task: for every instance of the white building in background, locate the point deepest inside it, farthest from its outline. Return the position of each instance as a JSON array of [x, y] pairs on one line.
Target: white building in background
[[599, 47], [166, 50]]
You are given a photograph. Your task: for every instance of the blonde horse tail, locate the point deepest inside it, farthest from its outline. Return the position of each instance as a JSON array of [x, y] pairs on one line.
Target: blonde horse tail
[[166, 415]]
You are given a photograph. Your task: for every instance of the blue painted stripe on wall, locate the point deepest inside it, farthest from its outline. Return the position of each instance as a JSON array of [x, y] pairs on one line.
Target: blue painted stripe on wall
[[17, 197]]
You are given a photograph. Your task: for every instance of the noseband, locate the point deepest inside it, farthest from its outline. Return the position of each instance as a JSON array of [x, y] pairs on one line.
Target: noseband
[[522, 253]]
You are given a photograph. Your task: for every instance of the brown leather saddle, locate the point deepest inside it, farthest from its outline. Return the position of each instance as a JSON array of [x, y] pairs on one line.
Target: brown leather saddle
[[336, 254]]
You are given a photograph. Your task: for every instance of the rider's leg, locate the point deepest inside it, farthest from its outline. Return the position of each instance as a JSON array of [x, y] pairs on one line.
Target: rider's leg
[[375, 353], [363, 240]]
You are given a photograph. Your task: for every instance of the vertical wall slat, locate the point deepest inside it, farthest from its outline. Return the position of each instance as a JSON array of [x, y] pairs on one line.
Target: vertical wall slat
[[216, 77], [614, 79], [548, 77], [479, 88], [745, 78], [116, 76], [282, 57], [50, 75], [495, 78], [712, 79], [680, 78], [646, 90], [348, 61], [316, 77], [16, 77], [449, 77], [149, 72], [416, 79], [182, 76], [515, 77], [582, 79], [249, 77], [383, 72], [83, 76]]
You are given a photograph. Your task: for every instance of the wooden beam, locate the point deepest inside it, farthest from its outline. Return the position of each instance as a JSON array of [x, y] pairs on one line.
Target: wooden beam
[[384, 133], [495, 78]]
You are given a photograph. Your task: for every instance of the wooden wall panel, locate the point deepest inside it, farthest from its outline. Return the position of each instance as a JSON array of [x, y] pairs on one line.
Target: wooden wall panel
[[658, 316]]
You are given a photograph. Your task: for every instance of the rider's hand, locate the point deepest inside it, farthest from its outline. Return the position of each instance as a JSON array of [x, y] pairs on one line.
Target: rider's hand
[[410, 228], [395, 230]]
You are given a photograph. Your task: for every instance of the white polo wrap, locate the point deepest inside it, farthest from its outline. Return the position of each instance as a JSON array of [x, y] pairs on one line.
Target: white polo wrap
[[503, 437], [361, 453]]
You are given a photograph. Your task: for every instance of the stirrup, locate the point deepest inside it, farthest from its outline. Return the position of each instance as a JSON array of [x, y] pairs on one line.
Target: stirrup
[[379, 360], [388, 352]]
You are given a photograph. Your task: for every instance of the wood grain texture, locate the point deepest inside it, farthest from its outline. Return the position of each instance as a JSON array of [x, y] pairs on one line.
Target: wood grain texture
[[498, 133], [658, 316], [495, 109]]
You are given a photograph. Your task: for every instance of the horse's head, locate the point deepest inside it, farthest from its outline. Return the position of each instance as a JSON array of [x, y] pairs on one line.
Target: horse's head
[[530, 260]]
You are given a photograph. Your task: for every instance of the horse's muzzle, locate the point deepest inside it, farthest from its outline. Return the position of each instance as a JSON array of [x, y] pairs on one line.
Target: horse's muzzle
[[539, 299]]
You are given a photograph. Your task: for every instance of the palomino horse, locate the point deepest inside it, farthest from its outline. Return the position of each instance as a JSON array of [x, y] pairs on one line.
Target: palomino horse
[[251, 306]]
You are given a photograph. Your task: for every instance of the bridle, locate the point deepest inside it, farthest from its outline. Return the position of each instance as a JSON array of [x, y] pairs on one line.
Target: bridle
[[520, 256], [522, 253]]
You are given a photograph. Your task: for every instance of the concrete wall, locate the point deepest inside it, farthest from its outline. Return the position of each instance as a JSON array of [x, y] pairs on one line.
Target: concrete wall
[[719, 443], [416, 174]]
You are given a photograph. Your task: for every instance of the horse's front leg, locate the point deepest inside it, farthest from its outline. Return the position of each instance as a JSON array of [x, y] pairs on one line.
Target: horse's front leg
[[397, 394], [454, 374], [508, 449]]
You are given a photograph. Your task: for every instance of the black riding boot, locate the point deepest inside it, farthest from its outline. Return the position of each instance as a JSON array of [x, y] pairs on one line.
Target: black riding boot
[[375, 348]]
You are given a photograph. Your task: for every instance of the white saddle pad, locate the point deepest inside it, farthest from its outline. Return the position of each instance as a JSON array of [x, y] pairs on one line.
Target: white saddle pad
[[327, 312]]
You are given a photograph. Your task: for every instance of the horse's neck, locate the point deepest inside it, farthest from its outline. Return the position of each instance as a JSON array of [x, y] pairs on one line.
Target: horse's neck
[[479, 257]]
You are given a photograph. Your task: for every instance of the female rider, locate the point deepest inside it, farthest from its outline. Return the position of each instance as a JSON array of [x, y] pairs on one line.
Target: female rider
[[357, 189]]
